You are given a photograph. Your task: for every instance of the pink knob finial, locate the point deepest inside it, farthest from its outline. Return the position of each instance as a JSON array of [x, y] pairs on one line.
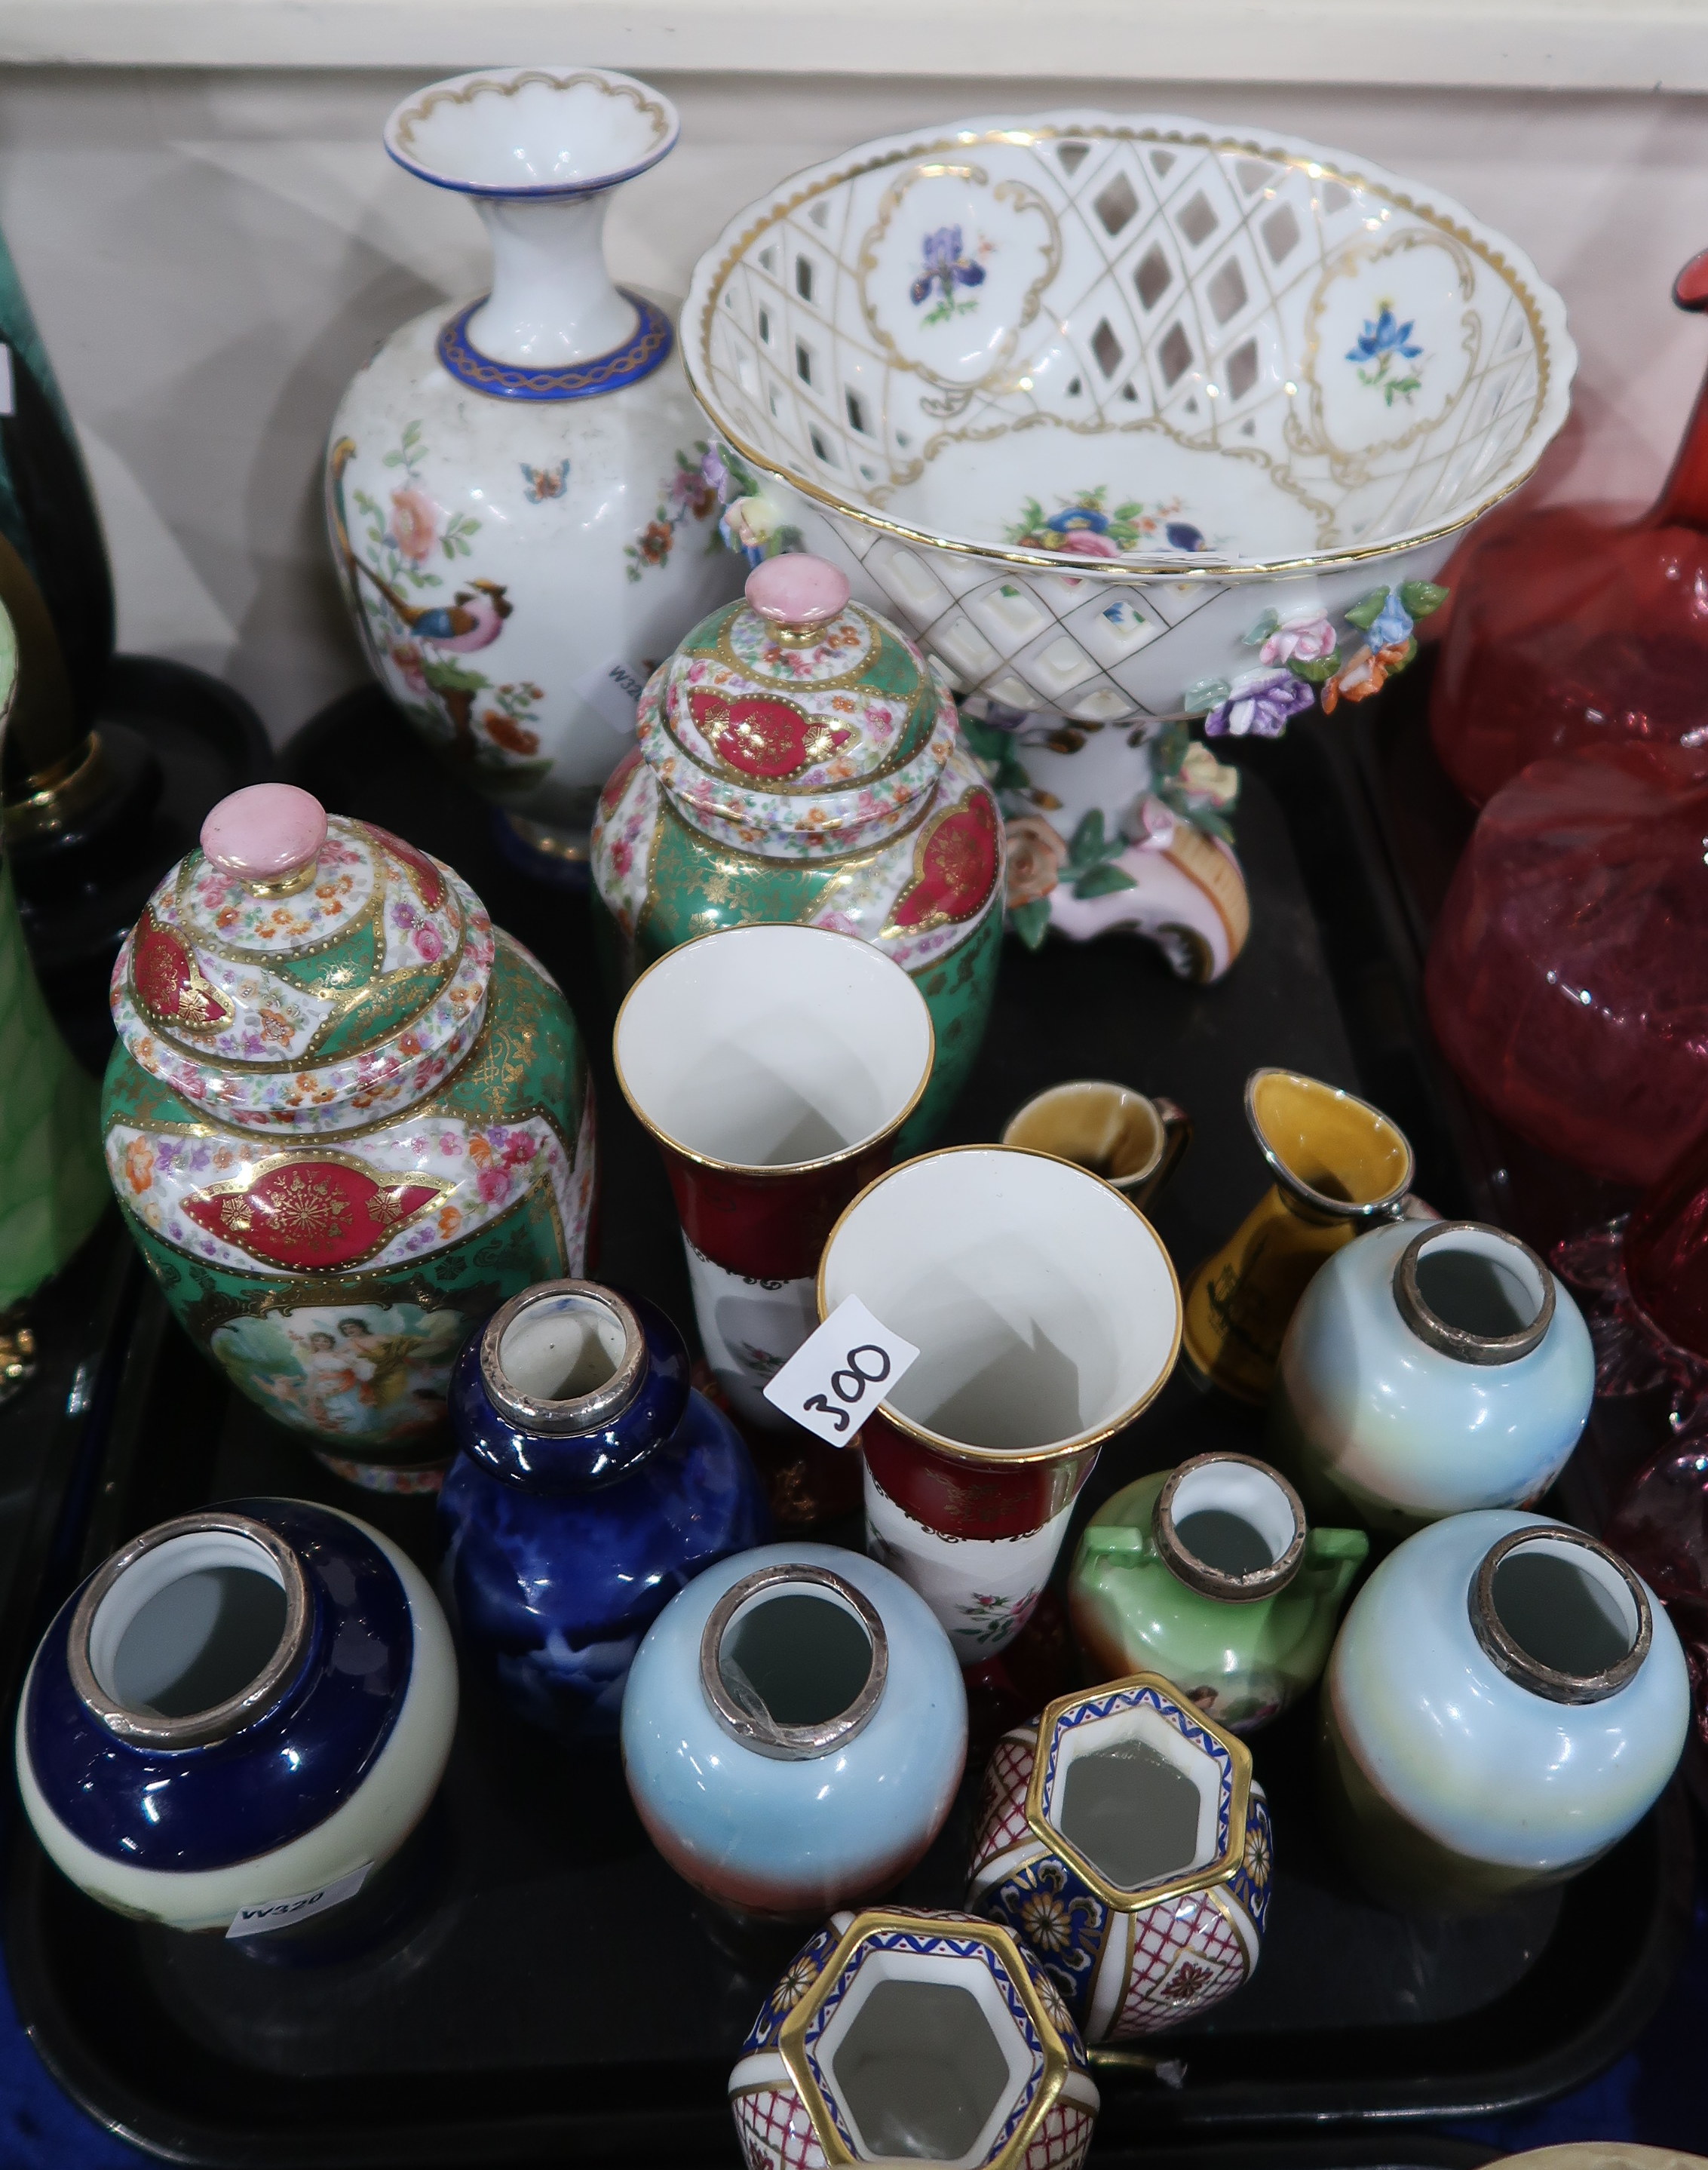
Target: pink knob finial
[[797, 593], [1690, 288], [266, 834]]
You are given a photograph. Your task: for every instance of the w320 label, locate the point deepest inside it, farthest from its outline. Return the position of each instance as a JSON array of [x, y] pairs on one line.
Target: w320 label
[[839, 1375], [280, 1913], [613, 692]]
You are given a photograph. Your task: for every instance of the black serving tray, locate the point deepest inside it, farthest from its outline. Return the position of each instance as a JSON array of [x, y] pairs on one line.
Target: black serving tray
[[557, 1994]]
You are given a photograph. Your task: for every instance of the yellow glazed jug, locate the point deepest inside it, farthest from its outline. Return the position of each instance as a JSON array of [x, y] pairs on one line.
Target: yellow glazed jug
[[1341, 1167]]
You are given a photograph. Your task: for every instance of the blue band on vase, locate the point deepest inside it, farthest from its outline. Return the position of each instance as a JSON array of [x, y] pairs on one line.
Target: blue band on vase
[[638, 357]]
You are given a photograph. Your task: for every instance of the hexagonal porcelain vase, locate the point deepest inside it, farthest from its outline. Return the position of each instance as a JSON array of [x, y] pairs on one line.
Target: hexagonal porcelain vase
[[922, 2037], [1123, 1840]]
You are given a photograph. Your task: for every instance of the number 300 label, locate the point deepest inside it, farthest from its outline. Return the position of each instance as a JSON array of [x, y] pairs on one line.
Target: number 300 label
[[839, 1375]]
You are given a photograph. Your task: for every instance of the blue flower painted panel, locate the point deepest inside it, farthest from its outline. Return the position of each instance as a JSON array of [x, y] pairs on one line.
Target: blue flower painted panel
[[945, 267], [1254, 1883], [1060, 1920], [795, 1979], [1382, 350]]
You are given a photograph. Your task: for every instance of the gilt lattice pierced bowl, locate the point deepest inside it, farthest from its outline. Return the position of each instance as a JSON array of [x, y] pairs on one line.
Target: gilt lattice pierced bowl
[[1122, 415]]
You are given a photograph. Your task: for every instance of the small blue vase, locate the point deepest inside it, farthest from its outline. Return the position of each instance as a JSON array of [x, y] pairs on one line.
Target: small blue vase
[[590, 1485]]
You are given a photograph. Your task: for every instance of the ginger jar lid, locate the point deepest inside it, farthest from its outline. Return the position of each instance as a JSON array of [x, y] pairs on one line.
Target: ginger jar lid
[[301, 971], [797, 722]]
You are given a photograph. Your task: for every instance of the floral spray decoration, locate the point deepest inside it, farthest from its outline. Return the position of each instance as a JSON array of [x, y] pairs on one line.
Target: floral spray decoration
[[692, 492], [1304, 660], [1188, 784]]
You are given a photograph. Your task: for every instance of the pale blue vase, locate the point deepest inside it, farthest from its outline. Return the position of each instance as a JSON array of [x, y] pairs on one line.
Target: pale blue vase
[[1506, 1700], [794, 1730], [1429, 1369]]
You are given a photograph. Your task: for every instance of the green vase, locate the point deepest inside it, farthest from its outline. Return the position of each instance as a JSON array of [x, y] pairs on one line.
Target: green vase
[[52, 1185], [1209, 1574], [56, 587], [346, 1119], [813, 773]]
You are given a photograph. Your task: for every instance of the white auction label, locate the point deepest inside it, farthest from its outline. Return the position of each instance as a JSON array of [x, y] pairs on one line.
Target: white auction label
[[839, 1375], [280, 1913], [612, 693]]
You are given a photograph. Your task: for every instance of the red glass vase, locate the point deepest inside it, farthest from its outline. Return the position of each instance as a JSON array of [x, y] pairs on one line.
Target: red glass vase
[[1666, 1250], [1576, 625], [1567, 982], [1660, 1527]]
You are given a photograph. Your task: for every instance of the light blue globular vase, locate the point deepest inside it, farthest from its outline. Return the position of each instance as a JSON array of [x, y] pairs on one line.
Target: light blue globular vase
[[1428, 1371], [793, 1731], [1506, 1700]]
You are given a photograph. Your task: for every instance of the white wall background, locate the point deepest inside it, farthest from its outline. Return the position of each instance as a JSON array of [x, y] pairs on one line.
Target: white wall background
[[211, 254]]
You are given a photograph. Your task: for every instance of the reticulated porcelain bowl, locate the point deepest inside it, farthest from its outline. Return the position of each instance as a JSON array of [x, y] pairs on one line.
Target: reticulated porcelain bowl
[[1123, 415]]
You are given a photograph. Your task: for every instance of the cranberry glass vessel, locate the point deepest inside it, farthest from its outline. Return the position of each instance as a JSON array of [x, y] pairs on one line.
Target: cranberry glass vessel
[[1568, 979], [1666, 1250], [1580, 624], [1660, 1528]]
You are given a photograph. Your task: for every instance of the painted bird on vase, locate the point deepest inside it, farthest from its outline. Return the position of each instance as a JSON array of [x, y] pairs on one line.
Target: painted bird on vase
[[472, 620]]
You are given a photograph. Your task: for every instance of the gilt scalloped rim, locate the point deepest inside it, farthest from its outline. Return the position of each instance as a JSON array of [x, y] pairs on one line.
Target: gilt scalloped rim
[[1556, 355]]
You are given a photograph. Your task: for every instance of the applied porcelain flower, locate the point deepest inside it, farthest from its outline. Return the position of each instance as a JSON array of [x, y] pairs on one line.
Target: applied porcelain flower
[[1392, 626], [749, 523], [1260, 707], [1304, 640], [1205, 777], [1036, 857]]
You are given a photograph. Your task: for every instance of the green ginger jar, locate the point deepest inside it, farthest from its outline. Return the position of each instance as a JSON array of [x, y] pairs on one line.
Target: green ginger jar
[[1209, 1574], [798, 762], [346, 1119]]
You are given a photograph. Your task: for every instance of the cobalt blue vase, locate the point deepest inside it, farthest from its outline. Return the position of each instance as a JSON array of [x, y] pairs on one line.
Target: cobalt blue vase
[[239, 1717], [591, 1484]]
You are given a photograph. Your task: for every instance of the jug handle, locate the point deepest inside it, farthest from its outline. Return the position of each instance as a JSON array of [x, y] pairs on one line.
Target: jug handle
[[1342, 1553], [1177, 1136], [1117, 1540]]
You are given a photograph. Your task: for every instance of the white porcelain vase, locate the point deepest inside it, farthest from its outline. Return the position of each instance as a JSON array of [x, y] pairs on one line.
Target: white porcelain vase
[[522, 512]]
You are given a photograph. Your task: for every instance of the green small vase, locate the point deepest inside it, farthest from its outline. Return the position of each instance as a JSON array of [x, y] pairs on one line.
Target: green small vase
[[798, 762], [52, 1186], [1209, 1574]]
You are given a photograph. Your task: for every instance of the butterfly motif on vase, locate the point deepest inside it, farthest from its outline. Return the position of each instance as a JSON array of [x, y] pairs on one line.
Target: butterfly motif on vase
[[540, 483]]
